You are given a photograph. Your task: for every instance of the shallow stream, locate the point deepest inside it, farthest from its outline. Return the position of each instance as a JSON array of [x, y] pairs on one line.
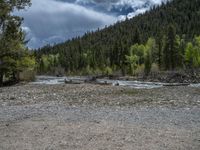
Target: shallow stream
[[50, 80]]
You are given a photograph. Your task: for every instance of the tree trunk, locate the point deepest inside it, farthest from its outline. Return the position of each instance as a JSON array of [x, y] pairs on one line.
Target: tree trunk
[[1, 79], [13, 77]]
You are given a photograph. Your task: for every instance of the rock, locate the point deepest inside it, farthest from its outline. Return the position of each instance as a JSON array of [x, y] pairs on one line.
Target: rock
[[12, 98], [116, 84]]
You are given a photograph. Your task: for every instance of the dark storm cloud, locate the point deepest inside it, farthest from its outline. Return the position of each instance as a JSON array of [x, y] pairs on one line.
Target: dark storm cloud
[[52, 21]]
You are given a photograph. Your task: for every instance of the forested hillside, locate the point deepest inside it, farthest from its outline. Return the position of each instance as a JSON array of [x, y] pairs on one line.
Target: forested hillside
[[164, 37]]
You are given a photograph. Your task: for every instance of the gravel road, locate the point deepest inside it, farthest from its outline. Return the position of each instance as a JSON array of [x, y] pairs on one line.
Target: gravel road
[[94, 117]]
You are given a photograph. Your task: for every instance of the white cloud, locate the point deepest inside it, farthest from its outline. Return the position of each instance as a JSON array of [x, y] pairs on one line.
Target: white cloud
[[51, 21], [48, 19], [139, 6]]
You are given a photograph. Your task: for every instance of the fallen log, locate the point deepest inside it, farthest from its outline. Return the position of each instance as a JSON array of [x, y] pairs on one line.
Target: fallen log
[[103, 83], [73, 81], [90, 80], [176, 84]]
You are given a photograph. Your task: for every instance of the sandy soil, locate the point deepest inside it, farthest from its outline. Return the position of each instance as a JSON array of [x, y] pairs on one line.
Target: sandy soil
[[94, 117]]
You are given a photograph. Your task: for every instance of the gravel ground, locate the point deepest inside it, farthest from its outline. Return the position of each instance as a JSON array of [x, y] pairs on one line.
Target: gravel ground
[[94, 117]]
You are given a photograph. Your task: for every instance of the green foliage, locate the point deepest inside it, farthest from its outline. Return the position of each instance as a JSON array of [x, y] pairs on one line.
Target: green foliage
[[127, 45], [49, 64], [87, 71], [192, 53], [150, 47], [141, 54], [172, 53], [189, 53], [132, 62], [26, 62], [138, 50], [14, 57], [135, 57], [108, 71]]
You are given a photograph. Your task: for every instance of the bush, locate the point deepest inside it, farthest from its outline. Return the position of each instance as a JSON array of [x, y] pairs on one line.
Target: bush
[[108, 71], [97, 71], [87, 71], [139, 70]]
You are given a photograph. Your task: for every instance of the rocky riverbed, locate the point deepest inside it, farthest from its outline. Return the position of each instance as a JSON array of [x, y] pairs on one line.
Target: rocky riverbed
[[88, 116]]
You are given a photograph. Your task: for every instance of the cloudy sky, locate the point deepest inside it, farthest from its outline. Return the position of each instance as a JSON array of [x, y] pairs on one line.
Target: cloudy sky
[[53, 21]]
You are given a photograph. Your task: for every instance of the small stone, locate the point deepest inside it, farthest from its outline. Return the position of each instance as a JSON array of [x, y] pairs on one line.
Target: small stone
[[12, 98]]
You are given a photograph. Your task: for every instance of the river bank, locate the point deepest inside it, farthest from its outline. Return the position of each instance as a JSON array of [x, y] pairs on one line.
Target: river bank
[[100, 95], [90, 116]]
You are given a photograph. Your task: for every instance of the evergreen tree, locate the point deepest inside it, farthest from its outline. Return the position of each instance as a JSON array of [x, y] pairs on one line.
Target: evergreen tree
[[170, 49], [136, 36], [12, 50], [158, 55]]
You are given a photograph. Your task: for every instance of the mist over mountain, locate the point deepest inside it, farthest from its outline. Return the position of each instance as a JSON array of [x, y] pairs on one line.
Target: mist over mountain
[[54, 21]]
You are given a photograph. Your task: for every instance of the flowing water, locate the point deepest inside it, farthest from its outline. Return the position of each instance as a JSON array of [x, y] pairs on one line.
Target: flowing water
[[50, 80]]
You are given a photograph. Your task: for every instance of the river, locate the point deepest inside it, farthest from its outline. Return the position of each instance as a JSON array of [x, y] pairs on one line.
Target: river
[[51, 80]]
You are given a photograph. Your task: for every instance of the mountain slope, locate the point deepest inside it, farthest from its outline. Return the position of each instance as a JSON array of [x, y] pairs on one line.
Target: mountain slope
[[109, 46]]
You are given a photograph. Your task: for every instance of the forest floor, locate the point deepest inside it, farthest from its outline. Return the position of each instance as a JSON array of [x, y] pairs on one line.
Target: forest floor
[[95, 117]]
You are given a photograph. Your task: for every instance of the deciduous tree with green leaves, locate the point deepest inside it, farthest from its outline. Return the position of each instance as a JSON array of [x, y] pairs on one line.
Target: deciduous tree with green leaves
[[192, 53], [150, 47]]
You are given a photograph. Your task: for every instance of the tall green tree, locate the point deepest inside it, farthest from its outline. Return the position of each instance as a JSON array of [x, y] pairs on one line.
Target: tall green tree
[[136, 36], [150, 48], [169, 52], [158, 55], [12, 38]]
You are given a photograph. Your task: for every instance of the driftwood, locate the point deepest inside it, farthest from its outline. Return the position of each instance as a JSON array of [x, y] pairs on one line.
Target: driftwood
[[103, 83], [176, 84], [92, 79], [73, 82]]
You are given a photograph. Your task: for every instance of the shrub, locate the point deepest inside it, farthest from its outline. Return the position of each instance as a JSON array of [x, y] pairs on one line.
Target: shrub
[[140, 70], [108, 71], [97, 71], [87, 71]]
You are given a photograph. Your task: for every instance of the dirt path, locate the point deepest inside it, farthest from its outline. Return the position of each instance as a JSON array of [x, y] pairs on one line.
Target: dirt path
[[99, 117]]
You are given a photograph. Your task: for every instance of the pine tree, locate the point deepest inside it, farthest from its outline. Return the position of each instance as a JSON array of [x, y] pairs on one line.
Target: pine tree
[[12, 50], [170, 50], [136, 36], [160, 40]]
